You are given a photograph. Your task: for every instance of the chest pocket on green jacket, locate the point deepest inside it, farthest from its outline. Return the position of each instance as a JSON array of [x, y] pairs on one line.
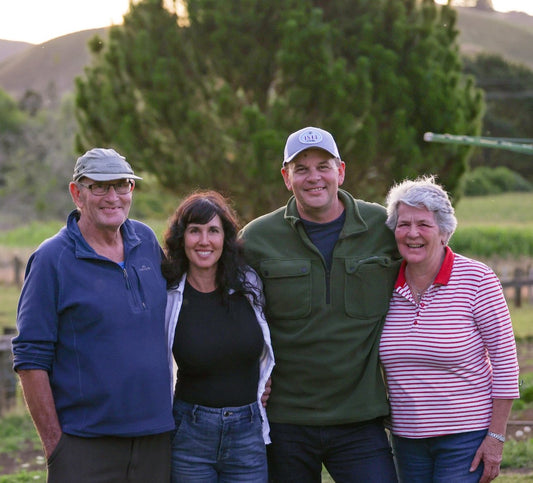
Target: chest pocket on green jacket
[[287, 286], [368, 285]]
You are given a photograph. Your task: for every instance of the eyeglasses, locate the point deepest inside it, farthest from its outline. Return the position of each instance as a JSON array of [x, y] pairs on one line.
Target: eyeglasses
[[100, 189]]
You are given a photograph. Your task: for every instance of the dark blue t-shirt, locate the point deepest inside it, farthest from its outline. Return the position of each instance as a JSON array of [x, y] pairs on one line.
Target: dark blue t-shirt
[[325, 235]]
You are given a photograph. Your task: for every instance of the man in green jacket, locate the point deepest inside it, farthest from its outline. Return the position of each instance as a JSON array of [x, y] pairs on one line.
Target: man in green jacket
[[328, 264]]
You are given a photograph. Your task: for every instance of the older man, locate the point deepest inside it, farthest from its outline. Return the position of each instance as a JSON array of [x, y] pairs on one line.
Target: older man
[[91, 349]]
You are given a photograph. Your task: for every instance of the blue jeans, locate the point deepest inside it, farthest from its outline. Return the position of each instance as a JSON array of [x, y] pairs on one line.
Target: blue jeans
[[357, 452], [218, 444], [441, 459]]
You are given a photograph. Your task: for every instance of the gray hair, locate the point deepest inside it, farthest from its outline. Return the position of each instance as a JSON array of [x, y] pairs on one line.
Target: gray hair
[[422, 192]]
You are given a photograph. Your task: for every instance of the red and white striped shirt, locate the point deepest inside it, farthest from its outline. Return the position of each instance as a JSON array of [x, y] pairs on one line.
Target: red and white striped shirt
[[448, 357]]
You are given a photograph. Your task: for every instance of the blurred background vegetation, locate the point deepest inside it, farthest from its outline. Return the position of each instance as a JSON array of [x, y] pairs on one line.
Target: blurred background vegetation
[[206, 98]]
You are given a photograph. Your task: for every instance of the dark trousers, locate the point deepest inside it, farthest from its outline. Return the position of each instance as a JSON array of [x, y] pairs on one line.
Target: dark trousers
[[352, 453], [143, 459]]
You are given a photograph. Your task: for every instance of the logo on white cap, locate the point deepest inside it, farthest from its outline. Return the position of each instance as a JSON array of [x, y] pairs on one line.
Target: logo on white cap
[[310, 137]]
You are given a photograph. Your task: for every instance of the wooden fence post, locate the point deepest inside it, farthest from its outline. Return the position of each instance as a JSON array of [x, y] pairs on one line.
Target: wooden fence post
[[17, 269], [8, 380]]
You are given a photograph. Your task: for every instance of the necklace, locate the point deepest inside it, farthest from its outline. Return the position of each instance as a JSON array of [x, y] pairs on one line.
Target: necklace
[[416, 292]]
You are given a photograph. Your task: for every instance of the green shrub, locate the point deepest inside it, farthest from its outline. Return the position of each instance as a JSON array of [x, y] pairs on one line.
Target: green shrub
[[150, 204], [489, 241], [526, 387], [517, 454], [30, 235], [489, 181], [527, 394]]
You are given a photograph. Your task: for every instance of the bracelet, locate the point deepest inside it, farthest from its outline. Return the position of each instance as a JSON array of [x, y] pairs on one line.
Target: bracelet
[[499, 437]]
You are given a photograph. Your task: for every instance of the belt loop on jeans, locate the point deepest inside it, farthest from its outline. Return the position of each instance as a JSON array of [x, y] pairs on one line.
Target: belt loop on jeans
[[193, 412]]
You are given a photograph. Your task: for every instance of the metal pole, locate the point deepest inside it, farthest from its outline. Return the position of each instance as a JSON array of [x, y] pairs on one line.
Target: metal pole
[[483, 142]]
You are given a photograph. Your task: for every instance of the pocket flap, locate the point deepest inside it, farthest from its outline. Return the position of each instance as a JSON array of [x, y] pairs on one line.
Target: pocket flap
[[354, 264], [285, 268]]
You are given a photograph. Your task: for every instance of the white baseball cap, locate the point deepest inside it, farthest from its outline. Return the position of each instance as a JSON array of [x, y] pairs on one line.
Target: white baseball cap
[[307, 138]]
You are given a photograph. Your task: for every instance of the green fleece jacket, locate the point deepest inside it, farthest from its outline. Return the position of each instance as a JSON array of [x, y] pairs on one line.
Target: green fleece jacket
[[327, 369]]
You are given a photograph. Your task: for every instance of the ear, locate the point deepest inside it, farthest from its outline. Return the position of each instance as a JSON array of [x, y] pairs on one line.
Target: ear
[[286, 178], [75, 193], [342, 172]]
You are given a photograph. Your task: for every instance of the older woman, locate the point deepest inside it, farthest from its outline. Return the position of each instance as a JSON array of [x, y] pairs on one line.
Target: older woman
[[220, 341], [447, 347]]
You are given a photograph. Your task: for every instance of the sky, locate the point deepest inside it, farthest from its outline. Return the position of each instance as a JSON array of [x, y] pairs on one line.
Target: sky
[[36, 21], [504, 5]]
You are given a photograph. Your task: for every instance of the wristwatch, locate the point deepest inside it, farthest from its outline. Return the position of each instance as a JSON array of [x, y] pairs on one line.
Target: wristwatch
[[499, 437]]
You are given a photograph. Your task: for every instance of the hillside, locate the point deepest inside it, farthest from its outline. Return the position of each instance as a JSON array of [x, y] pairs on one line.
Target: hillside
[[9, 48], [58, 61], [54, 63], [508, 34]]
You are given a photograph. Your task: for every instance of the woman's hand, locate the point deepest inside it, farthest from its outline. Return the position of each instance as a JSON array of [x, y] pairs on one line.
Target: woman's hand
[[490, 452], [266, 392]]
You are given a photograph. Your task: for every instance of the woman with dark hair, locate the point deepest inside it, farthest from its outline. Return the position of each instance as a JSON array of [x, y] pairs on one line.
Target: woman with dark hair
[[220, 341]]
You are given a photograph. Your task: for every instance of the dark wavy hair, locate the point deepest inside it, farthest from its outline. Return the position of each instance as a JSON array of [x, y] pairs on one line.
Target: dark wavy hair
[[201, 207]]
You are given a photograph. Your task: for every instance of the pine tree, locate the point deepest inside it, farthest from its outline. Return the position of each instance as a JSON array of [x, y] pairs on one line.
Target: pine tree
[[209, 102]]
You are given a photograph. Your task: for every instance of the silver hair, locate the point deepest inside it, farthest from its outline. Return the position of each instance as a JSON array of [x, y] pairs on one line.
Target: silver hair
[[423, 192]]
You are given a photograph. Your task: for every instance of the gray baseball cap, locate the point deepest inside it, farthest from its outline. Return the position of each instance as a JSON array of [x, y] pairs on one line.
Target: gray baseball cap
[[307, 138], [101, 164]]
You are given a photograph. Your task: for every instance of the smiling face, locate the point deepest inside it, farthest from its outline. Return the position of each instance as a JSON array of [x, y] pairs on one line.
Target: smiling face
[[418, 236], [314, 178], [104, 213], [203, 244]]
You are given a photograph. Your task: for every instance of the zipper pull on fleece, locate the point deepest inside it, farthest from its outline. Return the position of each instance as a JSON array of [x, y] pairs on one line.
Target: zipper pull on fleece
[[126, 278]]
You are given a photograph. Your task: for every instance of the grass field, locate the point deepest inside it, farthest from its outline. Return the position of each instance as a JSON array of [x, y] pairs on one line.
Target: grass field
[[509, 209]]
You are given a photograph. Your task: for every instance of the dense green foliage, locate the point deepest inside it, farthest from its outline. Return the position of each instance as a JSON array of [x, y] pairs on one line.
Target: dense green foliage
[[517, 454], [11, 118], [11, 122], [488, 241], [491, 181], [36, 158], [210, 101], [509, 101]]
